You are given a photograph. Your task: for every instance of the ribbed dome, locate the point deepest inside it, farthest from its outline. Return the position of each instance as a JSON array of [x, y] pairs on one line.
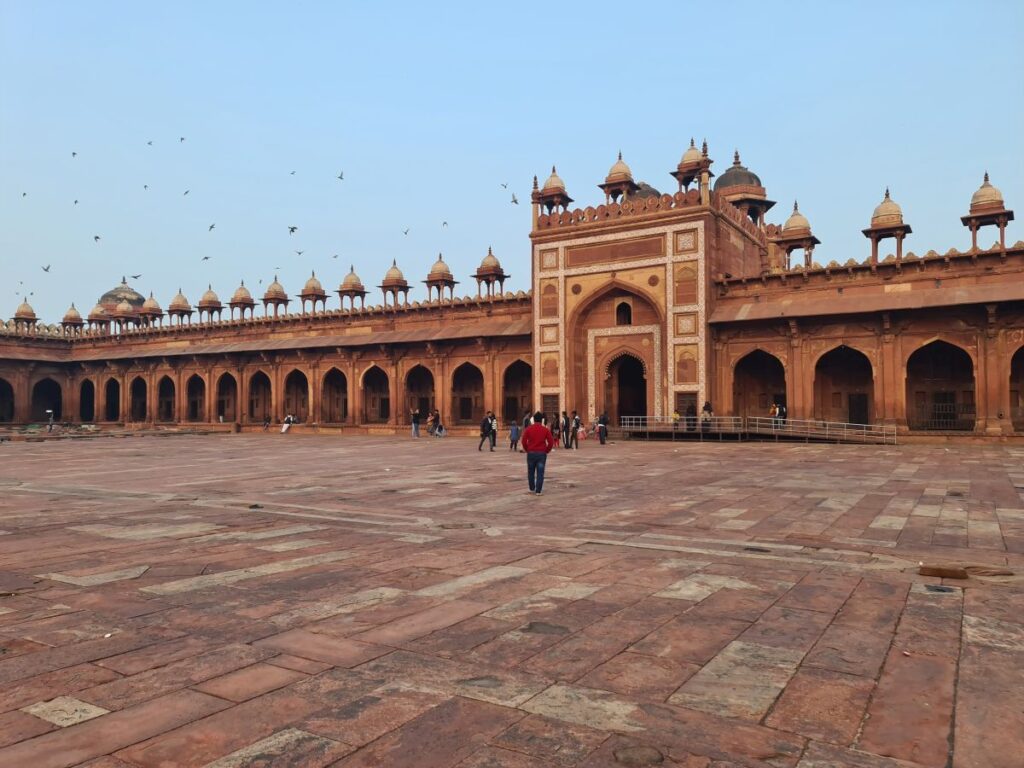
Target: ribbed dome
[[796, 221], [618, 172], [152, 306], [352, 280], [24, 311], [691, 155], [440, 270], [275, 292], [98, 314], [72, 316], [242, 295], [887, 213], [313, 286], [554, 182], [490, 260], [737, 176], [394, 273], [987, 196], [122, 292], [210, 300], [179, 303]]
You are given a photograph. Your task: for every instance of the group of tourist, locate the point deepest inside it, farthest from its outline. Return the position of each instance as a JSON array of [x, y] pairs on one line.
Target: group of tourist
[[434, 426]]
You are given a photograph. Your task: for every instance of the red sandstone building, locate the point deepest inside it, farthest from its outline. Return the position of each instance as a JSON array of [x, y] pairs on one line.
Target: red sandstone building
[[644, 304]]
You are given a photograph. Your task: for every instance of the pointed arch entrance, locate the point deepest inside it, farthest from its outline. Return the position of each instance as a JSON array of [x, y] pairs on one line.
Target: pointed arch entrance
[[87, 402], [112, 400], [940, 388], [137, 399], [227, 398], [625, 392], [46, 397], [334, 398], [165, 407], [260, 398], [195, 398], [6, 401], [376, 396], [517, 390], [844, 387], [296, 396], [467, 394], [419, 390], [759, 379]]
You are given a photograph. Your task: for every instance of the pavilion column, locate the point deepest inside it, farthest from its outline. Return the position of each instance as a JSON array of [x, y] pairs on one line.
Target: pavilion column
[[152, 398]]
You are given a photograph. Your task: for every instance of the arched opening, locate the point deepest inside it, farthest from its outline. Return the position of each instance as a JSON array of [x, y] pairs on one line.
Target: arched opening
[[467, 394], [112, 398], [758, 381], [137, 399], [419, 390], [227, 398], [334, 399], [260, 397], [6, 401], [940, 388], [623, 314], [1016, 390], [195, 398], [625, 391], [165, 400], [87, 401], [517, 390], [376, 397], [844, 387], [296, 396], [46, 398]]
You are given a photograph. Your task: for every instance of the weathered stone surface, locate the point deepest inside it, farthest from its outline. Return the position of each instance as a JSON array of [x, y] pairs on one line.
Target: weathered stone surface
[[64, 711]]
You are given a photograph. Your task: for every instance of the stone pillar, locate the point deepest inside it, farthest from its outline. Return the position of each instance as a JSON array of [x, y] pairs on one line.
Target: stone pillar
[[356, 401], [894, 372], [312, 395], [242, 393], [70, 396], [799, 382], [396, 393], [22, 399], [992, 388]]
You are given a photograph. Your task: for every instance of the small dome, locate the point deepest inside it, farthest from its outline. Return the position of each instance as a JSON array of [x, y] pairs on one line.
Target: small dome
[[25, 311], [618, 172], [352, 280], [313, 285], [737, 176], [887, 213], [152, 306], [275, 292], [796, 221], [490, 260], [72, 316], [98, 314], [987, 196], [691, 155], [125, 308], [122, 292], [242, 295], [440, 270], [179, 303], [554, 182], [394, 273], [210, 300]]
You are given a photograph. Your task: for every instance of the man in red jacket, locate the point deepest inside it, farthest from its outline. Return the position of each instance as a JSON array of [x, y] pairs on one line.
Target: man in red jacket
[[537, 442]]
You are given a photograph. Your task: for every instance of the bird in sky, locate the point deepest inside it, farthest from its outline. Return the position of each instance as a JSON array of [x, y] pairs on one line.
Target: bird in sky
[[76, 202], [334, 256], [300, 252], [149, 143], [74, 154], [95, 238], [405, 231], [145, 186], [505, 185], [210, 229], [292, 173], [341, 176], [187, 191], [444, 224], [24, 194], [181, 140], [46, 268], [136, 277], [515, 200], [205, 258], [292, 230]]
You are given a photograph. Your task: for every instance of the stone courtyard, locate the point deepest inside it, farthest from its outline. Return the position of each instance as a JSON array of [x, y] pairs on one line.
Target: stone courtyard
[[294, 600]]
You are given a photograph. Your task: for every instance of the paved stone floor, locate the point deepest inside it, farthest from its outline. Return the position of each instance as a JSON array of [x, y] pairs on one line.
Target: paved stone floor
[[271, 600]]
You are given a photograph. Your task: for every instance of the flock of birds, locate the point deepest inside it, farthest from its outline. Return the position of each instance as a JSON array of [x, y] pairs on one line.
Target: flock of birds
[[292, 229]]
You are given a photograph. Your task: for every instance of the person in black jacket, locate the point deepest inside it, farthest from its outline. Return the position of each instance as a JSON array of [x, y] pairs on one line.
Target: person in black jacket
[[485, 431], [602, 427], [575, 425], [566, 425]]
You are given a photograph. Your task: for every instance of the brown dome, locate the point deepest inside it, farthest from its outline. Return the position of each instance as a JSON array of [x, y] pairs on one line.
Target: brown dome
[[210, 300], [352, 281], [887, 213], [242, 296], [490, 261], [618, 172], [313, 287], [179, 303], [151, 306], [987, 196], [275, 292], [72, 316], [554, 182], [25, 312], [122, 292], [98, 314], [440, 270]]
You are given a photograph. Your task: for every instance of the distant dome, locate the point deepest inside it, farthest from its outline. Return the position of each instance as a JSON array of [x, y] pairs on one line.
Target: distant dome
[[352, 280], [490, 260], [242, 295], [691, 155], [643, 189], [72, 316], [313, 286], [179, 303], [796, 221], [618, 172], [554, 182], [737, 176], [122, 292], [98, 314], [394, 274], [440, 270], [887, 213], [210, 300], [152, 306], [25, 312], [275, 292], [987, 196]]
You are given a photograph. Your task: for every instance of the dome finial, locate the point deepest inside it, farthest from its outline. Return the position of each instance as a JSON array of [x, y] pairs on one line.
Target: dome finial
[[553, 168], [886, 193], [124, 280], [986, 177], [313, 273], [535, 181], [704, 148], [352, 268], [795, 209], [736, 157], [692, 143], [394, 262], [489, 252], [620, 154]]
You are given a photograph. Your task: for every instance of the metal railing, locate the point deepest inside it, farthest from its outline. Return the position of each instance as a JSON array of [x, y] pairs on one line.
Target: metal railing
[[945, 417], [740, 427]]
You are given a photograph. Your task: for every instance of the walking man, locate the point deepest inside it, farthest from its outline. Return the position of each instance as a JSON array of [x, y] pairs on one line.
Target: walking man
[[575, 425], [485, 432], [537, 442], [494, 431], [565, 429], [602, 427], [415, 422]]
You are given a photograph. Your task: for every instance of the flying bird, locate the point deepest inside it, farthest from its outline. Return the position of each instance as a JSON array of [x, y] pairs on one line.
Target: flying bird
[[181, 140], [149, 143], [292, 173], [505, 185], [334, 256], [211, 228], [95, 238], [341, 176], [187, 191], [300, 252], [444, 224], [74, 154], [76, 202], [405, 231], [136, 277], [145, 186], [292, 230], [46, 268], [205, 258], [515, 200], [24, 194]]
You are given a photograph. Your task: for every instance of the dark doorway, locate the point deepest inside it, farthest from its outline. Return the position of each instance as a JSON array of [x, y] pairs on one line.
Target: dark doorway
[[1017, 390], [137, 393], [858, 413], [758, 381], [296, 396], [627, 389], [87, 401], [46, 396], [6, 401], [195, 395], [940, 388], [376, 396], [419, 390], [165, 400], [843, 386], [517, 386], [334, 399], [260, 397], [112, 396], [227, 398], [468, 393]]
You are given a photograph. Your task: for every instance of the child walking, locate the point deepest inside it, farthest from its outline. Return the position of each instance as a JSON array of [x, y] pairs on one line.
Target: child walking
[[513, 437]]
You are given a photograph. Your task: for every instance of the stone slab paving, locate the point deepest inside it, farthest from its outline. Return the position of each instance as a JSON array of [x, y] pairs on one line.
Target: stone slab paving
[[243, 600]]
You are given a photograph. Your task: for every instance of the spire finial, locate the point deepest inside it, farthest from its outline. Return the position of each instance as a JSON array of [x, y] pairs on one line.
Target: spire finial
[[704, 148], [886, 193], [535, 181], [553, 168], [352, 269], [489, 253], [795, 209], [986, 177], [736, 157], [209, 286], [124, 280], [620, 154], [243, 283], [692, 143], [313, 273], [394, 262]]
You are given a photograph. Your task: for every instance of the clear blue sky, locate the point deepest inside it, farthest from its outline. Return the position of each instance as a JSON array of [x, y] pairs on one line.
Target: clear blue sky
[[428, 108]]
